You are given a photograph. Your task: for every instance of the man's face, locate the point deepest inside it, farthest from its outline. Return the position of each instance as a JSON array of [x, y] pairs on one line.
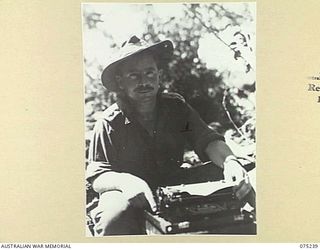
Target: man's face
[[139, 77]]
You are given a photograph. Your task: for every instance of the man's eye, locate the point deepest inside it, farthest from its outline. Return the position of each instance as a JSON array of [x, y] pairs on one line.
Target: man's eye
[[133, 76], [150, 74]]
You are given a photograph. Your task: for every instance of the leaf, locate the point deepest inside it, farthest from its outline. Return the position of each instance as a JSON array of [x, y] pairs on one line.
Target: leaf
[[242, 36], [237, 33], [237, 54], [248, 67]]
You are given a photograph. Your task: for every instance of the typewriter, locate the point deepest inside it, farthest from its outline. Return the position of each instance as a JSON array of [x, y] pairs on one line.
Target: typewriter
[[207, 207]]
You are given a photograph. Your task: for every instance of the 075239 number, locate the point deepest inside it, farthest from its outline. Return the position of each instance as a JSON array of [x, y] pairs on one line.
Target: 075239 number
[[305, 245]]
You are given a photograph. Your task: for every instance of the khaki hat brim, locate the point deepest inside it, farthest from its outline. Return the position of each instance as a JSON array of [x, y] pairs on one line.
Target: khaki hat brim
[[163, 51]]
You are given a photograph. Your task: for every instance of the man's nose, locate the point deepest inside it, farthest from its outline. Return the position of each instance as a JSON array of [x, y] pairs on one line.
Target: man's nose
[[143, 80]]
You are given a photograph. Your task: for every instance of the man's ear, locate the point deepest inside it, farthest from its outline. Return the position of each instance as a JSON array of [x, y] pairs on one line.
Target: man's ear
[[160, 71]]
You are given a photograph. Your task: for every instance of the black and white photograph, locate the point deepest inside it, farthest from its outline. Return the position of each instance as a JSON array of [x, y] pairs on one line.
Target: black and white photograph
[[170, 118]]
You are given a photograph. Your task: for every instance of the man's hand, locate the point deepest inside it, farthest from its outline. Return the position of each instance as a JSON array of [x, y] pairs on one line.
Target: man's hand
[[234, 172], [220, 154], [137, 191]]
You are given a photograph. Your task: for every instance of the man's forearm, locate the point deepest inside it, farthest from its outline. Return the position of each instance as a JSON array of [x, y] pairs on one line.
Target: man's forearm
[[129, 185], [109, 181], [218, 151]]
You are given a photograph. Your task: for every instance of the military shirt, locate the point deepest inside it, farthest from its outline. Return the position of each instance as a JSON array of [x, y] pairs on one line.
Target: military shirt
[[120, 143]]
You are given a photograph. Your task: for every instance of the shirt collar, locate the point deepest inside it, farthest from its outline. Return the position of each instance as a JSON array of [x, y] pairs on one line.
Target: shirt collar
[[128, 111]]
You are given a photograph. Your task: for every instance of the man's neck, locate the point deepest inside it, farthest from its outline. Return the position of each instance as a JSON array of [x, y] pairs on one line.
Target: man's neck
[[145, 109]]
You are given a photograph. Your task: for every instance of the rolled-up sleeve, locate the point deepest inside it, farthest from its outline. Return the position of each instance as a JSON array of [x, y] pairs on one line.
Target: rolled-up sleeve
[[200, 133], [101, 151]]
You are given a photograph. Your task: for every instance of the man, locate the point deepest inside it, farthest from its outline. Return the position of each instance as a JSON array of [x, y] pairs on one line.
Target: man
[[138, 143]]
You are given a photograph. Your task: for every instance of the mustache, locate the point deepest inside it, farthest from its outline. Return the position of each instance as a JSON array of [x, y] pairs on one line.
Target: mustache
[[144, 88]]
